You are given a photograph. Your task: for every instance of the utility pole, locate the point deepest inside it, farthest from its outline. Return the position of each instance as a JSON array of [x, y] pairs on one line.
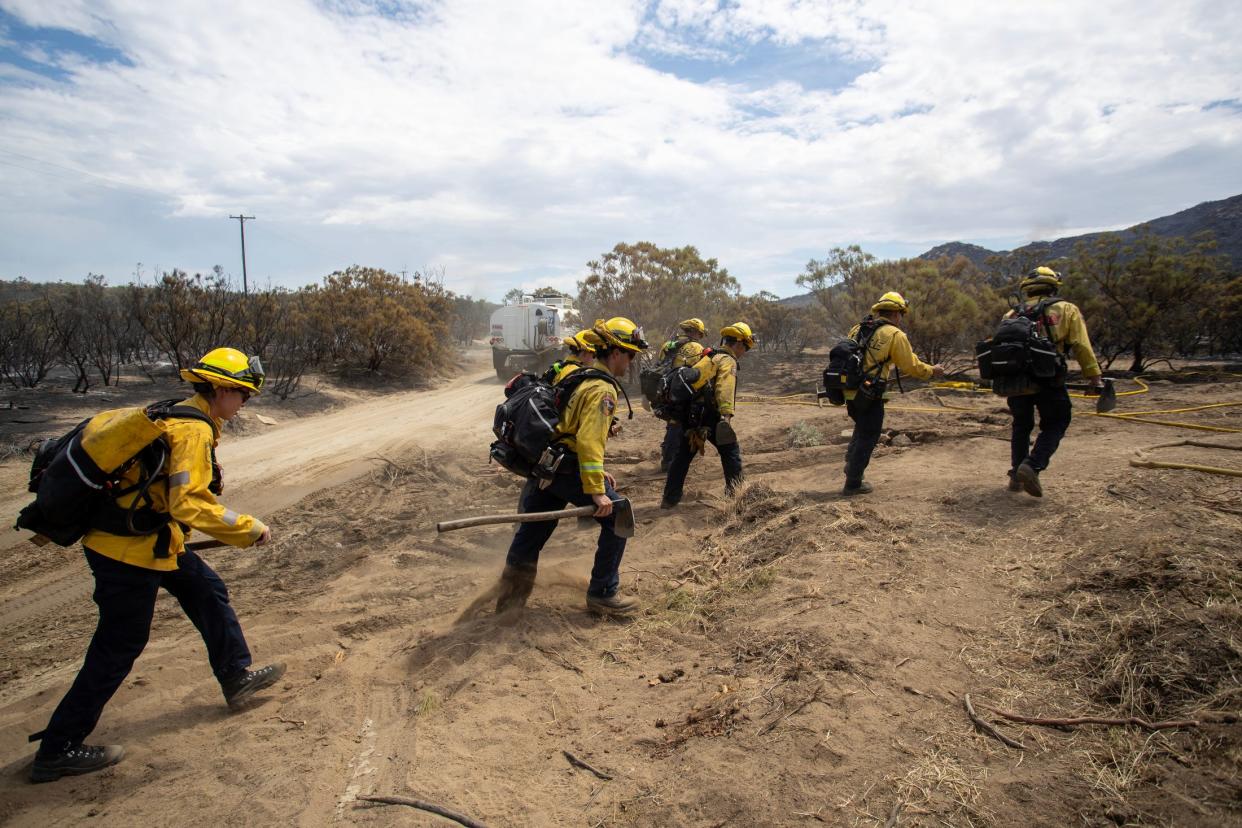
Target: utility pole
[[241, 220]]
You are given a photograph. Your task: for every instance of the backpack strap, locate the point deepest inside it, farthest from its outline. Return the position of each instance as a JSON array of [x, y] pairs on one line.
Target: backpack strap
[[565, 388], [867, 330], [1039, 315], [170, 409]]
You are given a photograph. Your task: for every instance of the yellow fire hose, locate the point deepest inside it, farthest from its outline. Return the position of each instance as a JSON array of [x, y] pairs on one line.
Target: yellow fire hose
[[811, 399], [1140, 459]]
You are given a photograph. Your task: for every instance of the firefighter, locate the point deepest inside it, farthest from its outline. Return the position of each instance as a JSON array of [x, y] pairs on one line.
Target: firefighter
[[584, 429], [709, 418], [886, 347], [579, 349], [1061, 322], [684, 349], [130, 570]]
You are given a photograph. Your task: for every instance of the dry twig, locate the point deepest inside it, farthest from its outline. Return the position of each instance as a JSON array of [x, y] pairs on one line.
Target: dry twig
[[423, 805], [578, 763], [895, 813], [1082, 720], [984, 727]]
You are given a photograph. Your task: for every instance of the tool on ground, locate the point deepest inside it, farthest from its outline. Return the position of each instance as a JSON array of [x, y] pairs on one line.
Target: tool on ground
[[621, 507], [1107, 395]]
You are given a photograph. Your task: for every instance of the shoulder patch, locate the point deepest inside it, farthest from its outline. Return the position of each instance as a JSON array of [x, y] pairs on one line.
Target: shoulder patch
[[607, 405]]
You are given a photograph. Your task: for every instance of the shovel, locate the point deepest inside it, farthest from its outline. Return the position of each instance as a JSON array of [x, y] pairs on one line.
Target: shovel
[[1107, 395], [621, 507]]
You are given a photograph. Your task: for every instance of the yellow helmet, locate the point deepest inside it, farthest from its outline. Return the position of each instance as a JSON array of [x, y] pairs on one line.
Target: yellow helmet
[[227, 368], [891, 301], [580, 343], [1041, 280], [619, 332], [741, 332], [693, 324]]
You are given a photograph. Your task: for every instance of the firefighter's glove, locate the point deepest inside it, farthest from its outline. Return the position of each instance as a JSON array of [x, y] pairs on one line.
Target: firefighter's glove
[[614, 428], [216, 486], [725, 435], [698, 440]]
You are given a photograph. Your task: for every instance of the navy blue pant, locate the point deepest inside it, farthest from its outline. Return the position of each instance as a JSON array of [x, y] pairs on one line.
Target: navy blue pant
[[730, 462], [126, 598], [672, 436], [530, 538], [1055, 411], [868, 417]]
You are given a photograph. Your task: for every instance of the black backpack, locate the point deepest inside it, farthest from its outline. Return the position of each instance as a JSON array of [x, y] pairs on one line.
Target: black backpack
[[650, 377], [1020, 358], [525, 424], [845, 365], [74, 495]]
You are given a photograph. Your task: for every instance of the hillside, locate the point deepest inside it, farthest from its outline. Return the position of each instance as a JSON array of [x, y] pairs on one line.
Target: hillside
[[1223, 218]]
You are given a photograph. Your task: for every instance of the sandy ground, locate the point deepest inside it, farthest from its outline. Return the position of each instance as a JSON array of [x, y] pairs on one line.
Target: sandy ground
[[800, 660]]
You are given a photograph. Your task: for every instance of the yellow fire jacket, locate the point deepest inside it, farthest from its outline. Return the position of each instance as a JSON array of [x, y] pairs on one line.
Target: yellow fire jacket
[[1068, 330], [566, 367], [584, 427], [889, 346], [687, 354], [720, 371], [183, 495], [724, 386]]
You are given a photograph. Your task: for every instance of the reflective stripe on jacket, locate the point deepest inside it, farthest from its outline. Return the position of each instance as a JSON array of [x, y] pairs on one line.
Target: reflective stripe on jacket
[[585, 426], [183, 495]]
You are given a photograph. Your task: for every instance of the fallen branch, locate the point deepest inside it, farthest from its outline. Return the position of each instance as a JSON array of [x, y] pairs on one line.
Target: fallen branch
[[578, 763], [990, 730], [1083, 720], [423, 806], [559, 659]]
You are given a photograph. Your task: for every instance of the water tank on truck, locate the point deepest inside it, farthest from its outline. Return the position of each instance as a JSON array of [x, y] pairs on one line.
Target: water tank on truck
[[526, 334]]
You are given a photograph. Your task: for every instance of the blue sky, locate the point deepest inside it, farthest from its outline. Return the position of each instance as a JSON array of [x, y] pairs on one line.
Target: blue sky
[[508, 144]]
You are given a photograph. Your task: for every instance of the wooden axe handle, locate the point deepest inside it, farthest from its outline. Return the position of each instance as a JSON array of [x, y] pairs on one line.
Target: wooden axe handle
[[197, 546], [525, 517]]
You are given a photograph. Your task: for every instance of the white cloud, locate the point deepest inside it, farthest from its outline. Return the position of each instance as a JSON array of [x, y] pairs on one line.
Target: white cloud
[[518, 138]]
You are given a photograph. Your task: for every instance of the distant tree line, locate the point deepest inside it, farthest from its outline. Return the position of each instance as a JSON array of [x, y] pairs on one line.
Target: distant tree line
[[358, 323], [1148, 299], [659, 287]]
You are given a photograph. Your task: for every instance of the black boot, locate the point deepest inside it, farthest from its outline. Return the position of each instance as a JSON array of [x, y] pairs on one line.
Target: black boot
[[1028, 477], [48, 767], [239, 689]]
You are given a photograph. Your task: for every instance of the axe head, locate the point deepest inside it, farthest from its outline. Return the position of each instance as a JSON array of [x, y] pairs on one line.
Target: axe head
[[1108, 398], [623, 511]]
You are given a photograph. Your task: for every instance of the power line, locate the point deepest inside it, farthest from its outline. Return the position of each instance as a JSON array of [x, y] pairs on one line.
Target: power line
[[112, 181]]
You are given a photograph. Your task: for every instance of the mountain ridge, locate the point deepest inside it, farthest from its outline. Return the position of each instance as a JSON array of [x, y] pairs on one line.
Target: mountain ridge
[[1222, 217]]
